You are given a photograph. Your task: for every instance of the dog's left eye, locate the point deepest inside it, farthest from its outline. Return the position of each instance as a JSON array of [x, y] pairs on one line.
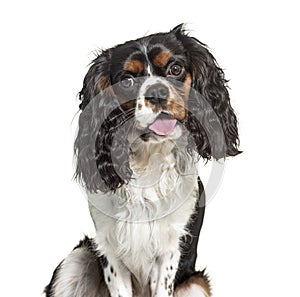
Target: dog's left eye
[[175, 70], [127, 82]]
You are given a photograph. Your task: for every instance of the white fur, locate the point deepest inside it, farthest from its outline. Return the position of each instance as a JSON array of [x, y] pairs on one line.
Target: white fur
[[78, 276], [119, 283], [163, 274], [149, 72], [141, 224], [192, 291]]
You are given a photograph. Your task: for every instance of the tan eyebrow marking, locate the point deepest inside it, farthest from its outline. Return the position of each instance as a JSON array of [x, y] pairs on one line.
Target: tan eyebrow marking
[[134, 66], [162, 58], [103, 83]]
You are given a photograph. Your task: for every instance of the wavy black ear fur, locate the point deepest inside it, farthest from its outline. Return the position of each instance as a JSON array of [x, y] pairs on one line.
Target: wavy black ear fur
[[216, 134], [102, 159]]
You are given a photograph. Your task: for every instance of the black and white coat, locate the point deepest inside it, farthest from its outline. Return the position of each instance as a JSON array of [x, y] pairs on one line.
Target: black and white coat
[[145, 195], [132, 252]]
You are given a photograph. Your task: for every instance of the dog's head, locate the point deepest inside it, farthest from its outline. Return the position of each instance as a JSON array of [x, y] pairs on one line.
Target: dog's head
[[151, 88]]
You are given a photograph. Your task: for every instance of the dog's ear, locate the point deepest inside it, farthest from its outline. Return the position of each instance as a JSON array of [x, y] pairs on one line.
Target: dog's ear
[[210, 102], [102, 161], [96, 79]]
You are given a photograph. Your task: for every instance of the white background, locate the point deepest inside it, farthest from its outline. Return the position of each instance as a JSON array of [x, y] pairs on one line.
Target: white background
[[250, 240]]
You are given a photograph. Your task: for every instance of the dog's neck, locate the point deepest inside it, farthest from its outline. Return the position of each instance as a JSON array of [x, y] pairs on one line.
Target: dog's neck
[[152, 158], [148, 158], [163, 173]]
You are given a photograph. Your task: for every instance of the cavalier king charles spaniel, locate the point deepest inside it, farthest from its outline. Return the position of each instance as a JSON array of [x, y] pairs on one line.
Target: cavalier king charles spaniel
[[150, 109]]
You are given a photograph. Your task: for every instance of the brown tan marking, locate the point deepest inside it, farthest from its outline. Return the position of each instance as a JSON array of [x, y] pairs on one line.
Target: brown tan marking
[[202, 282], [154, 107], [187, 85], [178, 105], [103, 83], [130, 104], [177, 109], [162, 58], [134, 66]]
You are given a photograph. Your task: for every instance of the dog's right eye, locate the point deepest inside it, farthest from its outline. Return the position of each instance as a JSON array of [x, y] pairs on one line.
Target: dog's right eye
[[127, 82]]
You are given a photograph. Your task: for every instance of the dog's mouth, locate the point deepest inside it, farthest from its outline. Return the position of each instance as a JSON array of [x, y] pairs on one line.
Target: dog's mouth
[[163, 125]]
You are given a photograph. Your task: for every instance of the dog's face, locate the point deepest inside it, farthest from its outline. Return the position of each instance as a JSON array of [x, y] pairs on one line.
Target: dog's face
[[151, 76], [162, 83]]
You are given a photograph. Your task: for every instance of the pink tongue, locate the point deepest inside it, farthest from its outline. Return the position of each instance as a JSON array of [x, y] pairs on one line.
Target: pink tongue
[[163, 126]]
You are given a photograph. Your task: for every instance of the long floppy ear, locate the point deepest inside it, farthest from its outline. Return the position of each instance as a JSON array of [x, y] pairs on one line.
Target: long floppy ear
[[96, 79], [211, 103], [102, 161]]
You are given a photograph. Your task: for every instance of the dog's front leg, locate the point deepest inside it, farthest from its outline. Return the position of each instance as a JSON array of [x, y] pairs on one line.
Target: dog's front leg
[[117, 277], [163, 275]]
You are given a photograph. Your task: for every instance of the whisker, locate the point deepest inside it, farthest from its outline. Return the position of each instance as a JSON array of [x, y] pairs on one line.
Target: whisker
[[130, 112], [127, 118]]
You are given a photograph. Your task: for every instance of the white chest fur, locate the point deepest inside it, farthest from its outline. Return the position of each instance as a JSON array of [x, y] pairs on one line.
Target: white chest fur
[[146, 218]]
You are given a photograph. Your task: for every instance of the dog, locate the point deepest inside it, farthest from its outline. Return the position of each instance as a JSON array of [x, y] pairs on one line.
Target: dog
[[150, 109]]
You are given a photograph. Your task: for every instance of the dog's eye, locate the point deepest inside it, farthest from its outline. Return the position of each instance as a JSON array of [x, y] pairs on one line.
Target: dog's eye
[[127, 82], [175, 70]]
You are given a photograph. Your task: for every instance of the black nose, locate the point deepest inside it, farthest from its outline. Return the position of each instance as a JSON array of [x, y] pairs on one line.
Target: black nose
[[157, 94]]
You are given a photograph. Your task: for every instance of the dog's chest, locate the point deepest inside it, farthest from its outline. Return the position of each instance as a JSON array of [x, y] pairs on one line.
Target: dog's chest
[[146, 218], [142, 232]]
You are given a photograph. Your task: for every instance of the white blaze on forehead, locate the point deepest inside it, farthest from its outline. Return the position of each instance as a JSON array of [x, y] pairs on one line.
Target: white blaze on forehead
[[145, 52], [149, 72]]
